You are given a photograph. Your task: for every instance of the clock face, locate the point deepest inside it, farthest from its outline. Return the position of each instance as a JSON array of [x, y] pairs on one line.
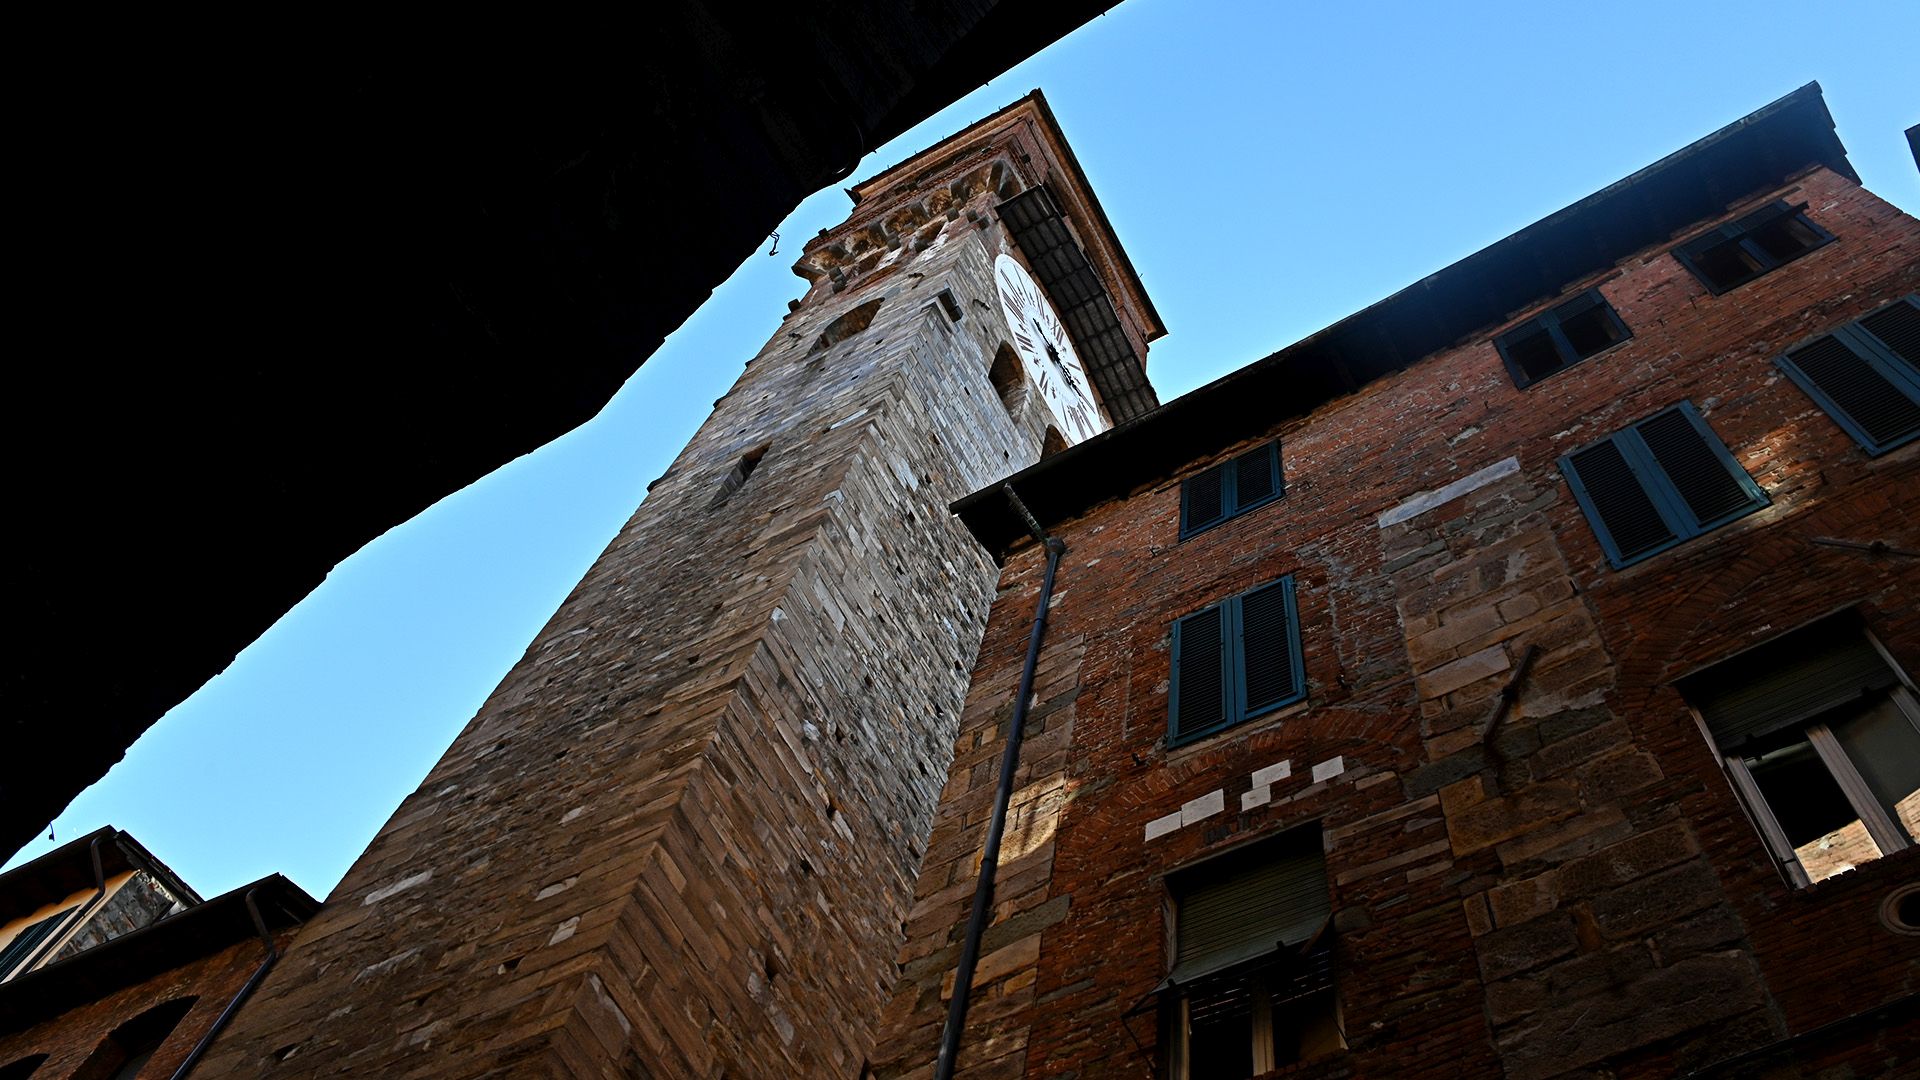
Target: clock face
[[1044, 348]]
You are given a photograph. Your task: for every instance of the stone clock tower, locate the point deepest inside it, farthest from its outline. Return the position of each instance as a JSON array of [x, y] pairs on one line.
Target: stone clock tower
[[680, 838]]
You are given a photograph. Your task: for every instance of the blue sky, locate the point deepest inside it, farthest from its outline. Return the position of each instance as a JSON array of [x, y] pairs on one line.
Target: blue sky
[[1270, 169]]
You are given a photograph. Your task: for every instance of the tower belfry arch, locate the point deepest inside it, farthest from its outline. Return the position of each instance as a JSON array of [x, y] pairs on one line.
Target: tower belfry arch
[[680, 838]]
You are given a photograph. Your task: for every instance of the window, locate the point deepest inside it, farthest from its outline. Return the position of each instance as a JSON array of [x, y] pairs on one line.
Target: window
[[1560, 337], [1231, 488], [1251, 986], [1661, 481], [1735, 254], [1234, 661], [21, 948], [122, 1054], [1866, 375], [22, 1068], [1821, 738]]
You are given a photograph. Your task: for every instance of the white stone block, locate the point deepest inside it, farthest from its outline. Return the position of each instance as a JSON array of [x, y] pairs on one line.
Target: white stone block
[[1328, 769], [1259, 796], [1272, 774], [1161, 826], [1213, 802]]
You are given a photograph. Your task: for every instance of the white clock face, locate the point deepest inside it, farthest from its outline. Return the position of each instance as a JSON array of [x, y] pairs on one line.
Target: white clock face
[[1043, 346]]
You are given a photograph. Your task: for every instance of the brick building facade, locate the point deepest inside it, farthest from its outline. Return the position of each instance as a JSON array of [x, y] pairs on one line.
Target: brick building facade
[[1515, 678], [111, 967]]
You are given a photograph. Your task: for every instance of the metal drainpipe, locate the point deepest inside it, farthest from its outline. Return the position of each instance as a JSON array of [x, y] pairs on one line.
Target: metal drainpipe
[[79, 914], [996, 825], [246, 991]]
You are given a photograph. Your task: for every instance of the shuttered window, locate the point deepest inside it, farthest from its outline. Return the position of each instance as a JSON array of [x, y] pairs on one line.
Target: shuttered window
[[1560, 337], [1734, 254], [1659, 482], [28, 939], [1231, 488], [1251, 983], [1234, 661], [1866, 375]]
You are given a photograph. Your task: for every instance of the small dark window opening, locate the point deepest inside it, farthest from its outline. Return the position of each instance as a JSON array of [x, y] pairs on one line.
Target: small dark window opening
[[1053, 442], [847, 325], [736, 477], [1560, 337], [22, 1068], [950, 305], [1006, 378], [122, 1054], [1735, 254]]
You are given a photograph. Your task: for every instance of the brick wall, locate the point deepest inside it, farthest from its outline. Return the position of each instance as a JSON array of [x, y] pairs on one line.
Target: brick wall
[[1578, 893], [69, 1039]]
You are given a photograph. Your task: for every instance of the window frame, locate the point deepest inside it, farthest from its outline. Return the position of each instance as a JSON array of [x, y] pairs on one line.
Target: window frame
[[1882, 828], [1233, 665], [1229, 473], [1740, 231], [1550, 320], [1878, 355], [1310, 959], [1661, 491]]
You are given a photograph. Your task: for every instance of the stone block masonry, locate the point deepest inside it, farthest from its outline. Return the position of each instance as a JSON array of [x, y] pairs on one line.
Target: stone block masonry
[[681, 837]]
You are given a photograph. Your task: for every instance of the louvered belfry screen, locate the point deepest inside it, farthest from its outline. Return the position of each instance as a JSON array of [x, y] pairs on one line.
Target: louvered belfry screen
[[1199, 671], [1247, 905], [1788, 681], [1626, 515], [1866, 376], [1266, 646]]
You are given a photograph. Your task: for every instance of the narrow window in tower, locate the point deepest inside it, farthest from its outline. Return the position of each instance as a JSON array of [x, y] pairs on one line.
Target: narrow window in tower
[[1234, 661], [950, 305], [1560, 337], [1006, 378], [846, 326], [1820, 737], [1866, 375], [1251, 987], [1658, 482], [1231, 488], [736, 477], [1735, 254]]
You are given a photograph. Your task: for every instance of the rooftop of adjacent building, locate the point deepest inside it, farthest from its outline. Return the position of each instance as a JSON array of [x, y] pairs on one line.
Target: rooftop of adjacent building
[[88, 946], [1700, 181]]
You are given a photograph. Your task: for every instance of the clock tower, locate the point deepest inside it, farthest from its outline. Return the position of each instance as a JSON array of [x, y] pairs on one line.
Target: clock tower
[[681, 837]]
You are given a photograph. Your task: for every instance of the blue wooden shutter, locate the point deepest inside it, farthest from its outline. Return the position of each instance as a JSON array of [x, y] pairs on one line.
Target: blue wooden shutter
[[1197, 696], [1248, 906], [1710, 484], [1616, 503], [1266, 648], [1869, 396], [1256, 477], [1203, 499]]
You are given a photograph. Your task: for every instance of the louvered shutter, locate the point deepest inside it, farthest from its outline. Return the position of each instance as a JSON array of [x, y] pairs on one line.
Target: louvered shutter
[[27, 940], [1710, 484], [1616, 503], [1878, 411], [1256, 477], [1197, 696], [1203, 499], [1787, 682], [1898, 328], [1267, 648], [1252, 905]]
